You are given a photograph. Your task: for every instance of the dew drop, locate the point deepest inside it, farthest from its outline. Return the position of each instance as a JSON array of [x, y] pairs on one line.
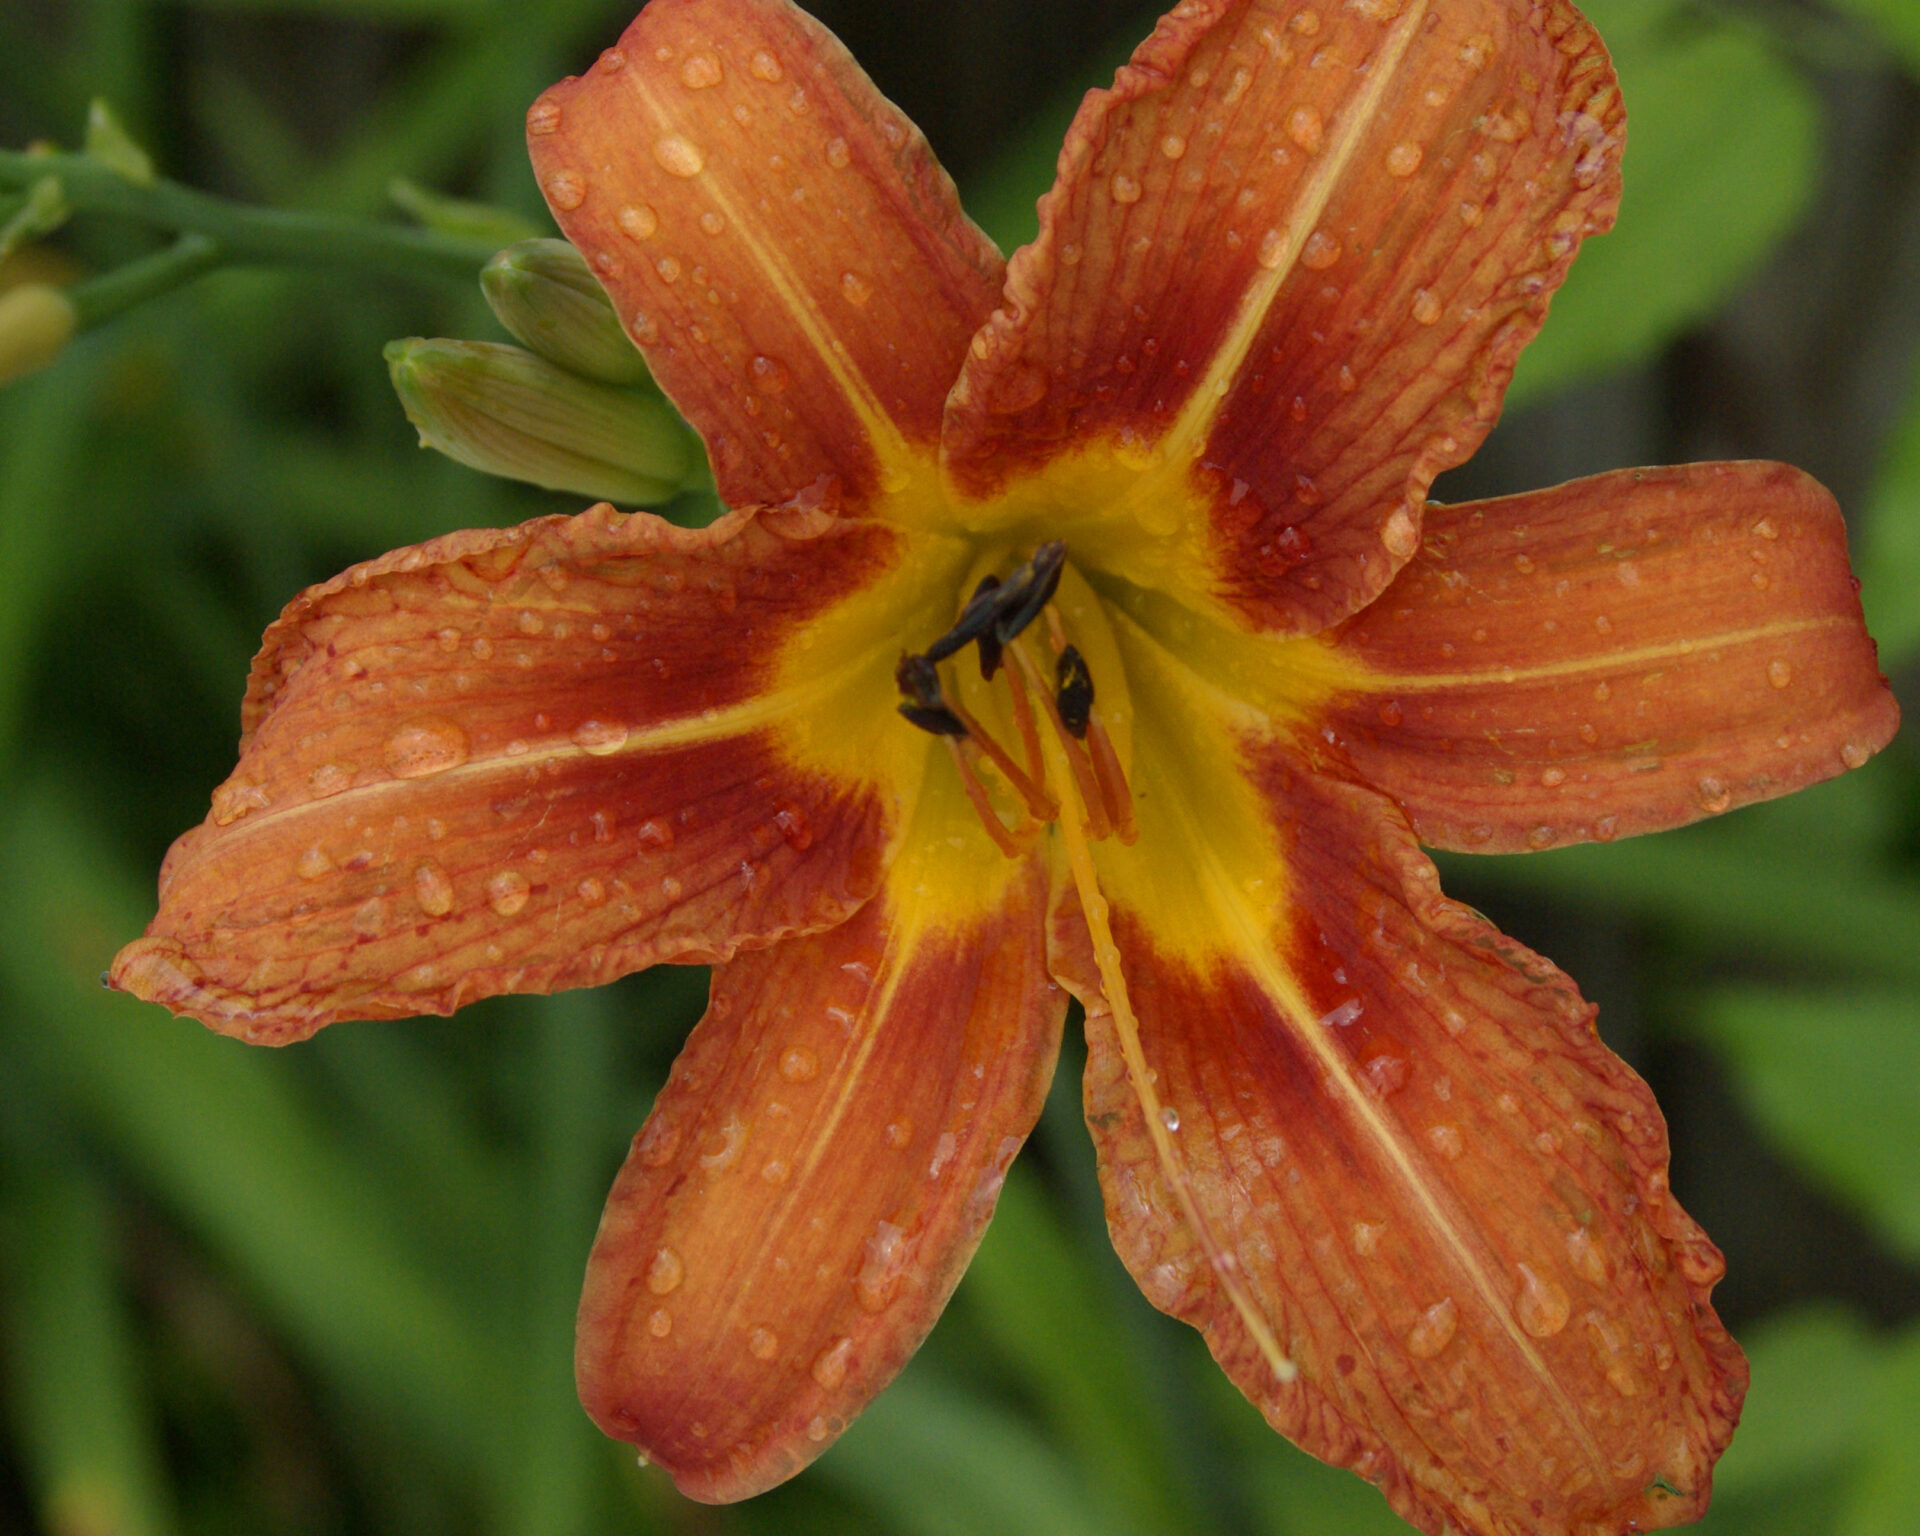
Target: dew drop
[[799, 1064], [1305, 128], [1124, 188], [1853, 754], [1434, 1329], [838, 155], [660, 1323], [816, 1429], [425, 747], [370, 918], [764, 66], [566, 190], [1170, 1117], [1366, 1236], [1446, 1140], [313, 864], [763, 1343], [670, 888], [677, 156], [1320, 252], [599, 738], [1403, 159], [1714, 795], [830, 1365], [1542, 1307], [655, 832], [898, 1133], [543, 117], [1173, 146], [857, 289], [1401, 534], [1588, 1262], [1272, 254], [769, 375], [1553, 778], [432, 889], [665, 1273], [1540, 837], [699, 71], [507, 892], [1779, 674], [637, 221], [329, 779], [1426, 308]]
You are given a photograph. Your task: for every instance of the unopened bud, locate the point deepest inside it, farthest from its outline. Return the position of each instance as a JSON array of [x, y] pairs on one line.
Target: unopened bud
[[109, 143], [504, 411], [36, 323], [543, 293]]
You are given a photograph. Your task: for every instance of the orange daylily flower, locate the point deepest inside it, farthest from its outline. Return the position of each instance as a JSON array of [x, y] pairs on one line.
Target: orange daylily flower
[[1239, 669]]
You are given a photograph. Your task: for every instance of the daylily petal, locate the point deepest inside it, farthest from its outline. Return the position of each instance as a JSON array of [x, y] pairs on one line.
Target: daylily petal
[[542, 757], [1616, 655], [1281, 283], [1444, 1197], [820, 1166], [778, 239]]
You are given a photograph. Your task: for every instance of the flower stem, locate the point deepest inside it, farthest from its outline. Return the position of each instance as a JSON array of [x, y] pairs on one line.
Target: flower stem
[[101, 298], [242, 234]]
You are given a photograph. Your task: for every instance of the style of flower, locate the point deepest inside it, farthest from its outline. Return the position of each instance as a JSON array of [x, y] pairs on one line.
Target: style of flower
[[1082, 628]]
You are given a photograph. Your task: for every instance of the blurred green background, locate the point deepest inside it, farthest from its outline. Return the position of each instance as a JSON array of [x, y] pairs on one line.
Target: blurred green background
[[330, 1290]]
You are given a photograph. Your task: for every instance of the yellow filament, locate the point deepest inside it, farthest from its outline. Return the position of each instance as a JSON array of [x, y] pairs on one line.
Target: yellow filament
[[1106, 956]]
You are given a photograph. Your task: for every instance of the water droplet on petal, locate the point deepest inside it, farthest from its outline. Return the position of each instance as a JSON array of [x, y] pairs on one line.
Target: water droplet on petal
[[425, 747], [313, 864], [1853, 754], [830, 1365], [543, 116], [769, 375], [665, 1273], [1588, 1262], [1779, 674], [1542, 1307], [1170, 1117], [700, 71], [764, 66], [1714, 795], [660, 1323], [599, 738], [1426, 308], [857, 289], [763, 1343], [1305, 128], [1401, 533], [566, 190], [1446, 1140], [637, 221], [432, 889], [838, 155], [329, 779], [1273, 250], [1433, 1330], [1124, 188], [1403, 159], [1173, 146], [677, 156], [508, 891], [799, 1064]]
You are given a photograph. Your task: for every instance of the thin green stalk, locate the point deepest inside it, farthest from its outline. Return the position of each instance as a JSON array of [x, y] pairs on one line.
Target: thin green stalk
[[112, 293], [247, 234]]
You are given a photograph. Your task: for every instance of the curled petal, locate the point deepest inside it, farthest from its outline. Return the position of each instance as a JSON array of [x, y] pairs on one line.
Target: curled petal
[[1616, 655], [776, 237], [1381, 197], [1446, 1198], [540, 758], [819, 1169]]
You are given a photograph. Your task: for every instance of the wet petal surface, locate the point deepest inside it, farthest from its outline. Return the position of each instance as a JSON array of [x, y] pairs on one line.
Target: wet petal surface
[[779, 241], [1380, 196], [538, 758], [820, 1167], [1617, 655]]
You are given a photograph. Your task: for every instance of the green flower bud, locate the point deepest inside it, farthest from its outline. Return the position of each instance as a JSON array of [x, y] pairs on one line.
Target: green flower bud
[[36, 323], [113, 147], [545, 296], [504, 411]]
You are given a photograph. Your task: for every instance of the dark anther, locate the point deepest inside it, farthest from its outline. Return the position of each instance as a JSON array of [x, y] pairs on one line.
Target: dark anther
[[999, 610], [1075, 698], [925, 706], [1022, 595]]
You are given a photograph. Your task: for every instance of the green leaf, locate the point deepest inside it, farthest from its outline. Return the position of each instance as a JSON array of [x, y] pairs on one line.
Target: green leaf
[[1889, 558], [1722, 145], [1831, 1079]]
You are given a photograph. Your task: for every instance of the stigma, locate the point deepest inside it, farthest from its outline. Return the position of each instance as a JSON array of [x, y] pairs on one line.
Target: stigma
[[995, 622]]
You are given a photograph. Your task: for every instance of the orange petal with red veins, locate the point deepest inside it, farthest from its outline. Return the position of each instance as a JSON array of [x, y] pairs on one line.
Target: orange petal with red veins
[[1442, 1195], [778, 239], [1281, 283], [817, 1172], [1617, 655], [536, 758]]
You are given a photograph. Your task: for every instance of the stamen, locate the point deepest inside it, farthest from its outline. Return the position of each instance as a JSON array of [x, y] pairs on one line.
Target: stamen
[[1073, 692], [1116, 795], [1106, 955], [925, 706], [1039, 803], [962, 752], [1023, 723], [1093, 803]]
